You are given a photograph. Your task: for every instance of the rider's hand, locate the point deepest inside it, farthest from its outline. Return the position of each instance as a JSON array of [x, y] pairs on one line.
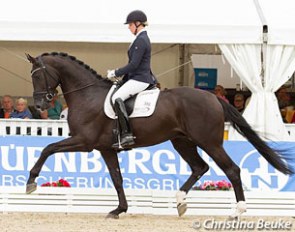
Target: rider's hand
[[111, 74]]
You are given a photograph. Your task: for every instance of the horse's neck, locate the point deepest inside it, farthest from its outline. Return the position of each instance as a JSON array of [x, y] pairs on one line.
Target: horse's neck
[[81, 87], [88, 97]]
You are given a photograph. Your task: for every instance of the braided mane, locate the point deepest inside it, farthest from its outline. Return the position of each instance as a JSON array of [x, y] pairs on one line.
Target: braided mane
[[74, 59]]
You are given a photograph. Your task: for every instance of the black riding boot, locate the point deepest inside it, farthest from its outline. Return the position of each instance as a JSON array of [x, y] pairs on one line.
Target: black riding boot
[[126, 138]]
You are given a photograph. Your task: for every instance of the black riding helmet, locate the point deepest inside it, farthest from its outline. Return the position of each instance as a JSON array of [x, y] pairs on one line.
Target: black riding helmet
[[136, 16]]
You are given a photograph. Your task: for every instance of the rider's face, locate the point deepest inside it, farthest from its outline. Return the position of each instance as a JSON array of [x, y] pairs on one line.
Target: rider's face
[[132, 28]]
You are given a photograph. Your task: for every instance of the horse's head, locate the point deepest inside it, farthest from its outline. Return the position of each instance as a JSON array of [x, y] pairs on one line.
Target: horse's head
[[45, 80]]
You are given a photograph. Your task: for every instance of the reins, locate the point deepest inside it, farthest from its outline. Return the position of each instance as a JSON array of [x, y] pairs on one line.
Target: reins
[[78, 89]]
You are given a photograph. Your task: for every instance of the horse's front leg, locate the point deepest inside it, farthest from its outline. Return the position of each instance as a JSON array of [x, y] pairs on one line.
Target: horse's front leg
[[111, 160], [66, 145]]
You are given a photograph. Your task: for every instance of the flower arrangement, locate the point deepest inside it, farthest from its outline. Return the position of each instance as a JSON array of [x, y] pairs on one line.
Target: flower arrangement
[[222, 185], [59, 183]]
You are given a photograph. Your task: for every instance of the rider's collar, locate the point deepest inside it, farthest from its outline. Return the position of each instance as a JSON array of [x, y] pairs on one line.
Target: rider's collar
[[142, 30]]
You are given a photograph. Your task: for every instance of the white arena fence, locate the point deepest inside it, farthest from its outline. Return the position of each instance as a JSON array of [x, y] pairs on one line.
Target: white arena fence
[[94, 200], [90, 200], [34, 127]]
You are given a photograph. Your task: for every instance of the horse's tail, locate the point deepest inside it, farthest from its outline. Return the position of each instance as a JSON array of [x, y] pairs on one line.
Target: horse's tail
[[241, 125]]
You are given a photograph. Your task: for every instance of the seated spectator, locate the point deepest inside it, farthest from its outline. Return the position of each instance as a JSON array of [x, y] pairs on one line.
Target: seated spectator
[[219, 91], [293, 118], [284, 102], [284, 98], [54, 111], [22, 110], [7, 106], [239, 102]]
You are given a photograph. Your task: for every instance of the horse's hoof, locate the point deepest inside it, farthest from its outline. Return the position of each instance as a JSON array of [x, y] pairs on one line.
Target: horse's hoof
[[31, 188], [241, 208], [181, 208], [234, 218], [112, 216]]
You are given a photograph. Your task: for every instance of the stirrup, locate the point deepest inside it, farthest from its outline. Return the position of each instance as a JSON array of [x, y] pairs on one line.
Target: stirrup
[[127, 140]]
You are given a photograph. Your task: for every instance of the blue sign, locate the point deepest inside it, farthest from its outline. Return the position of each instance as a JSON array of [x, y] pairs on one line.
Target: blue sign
[[157, 167], [205, 78]]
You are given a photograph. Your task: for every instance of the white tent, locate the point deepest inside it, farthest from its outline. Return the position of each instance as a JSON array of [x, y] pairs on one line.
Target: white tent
[[236, 26], [264, 78], [187, 21]]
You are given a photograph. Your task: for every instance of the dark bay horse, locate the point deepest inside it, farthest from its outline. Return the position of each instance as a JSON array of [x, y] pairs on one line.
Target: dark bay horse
[[187, 117]]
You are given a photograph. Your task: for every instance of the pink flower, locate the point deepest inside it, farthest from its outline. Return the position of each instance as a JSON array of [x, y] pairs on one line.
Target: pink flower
[[217, 185]]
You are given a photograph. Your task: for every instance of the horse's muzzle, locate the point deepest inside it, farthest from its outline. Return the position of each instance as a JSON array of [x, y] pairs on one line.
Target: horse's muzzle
[[41, 104]]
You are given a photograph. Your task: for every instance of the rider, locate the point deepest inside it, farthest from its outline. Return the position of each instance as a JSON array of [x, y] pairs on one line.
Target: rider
[[137, 75]]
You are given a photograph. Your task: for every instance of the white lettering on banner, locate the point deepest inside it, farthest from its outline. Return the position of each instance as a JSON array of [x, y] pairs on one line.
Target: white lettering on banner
[[6, 156], [138, 162], [168, 184], [7, 180], [170, 168], [12, 180], [138, 183], [153, 184], [93, 182], [82, 182], [32, 159], [69, 162], [86, 162]]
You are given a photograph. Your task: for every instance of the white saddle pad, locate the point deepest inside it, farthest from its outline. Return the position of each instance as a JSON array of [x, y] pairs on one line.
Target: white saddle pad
[[144, 106]]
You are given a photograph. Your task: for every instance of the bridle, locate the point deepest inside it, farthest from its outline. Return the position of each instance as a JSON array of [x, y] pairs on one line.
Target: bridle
[[50, 92]]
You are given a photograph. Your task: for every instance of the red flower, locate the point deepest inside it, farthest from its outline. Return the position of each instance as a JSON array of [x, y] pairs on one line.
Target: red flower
[[47, 184], [59, 183], [54, 184]]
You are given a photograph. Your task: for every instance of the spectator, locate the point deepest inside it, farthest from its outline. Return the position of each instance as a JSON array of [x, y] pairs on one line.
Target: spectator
[[22, 110], [219, 91], [54, 111], [7, 106], [284, 98], [239, 102], [284, 102]]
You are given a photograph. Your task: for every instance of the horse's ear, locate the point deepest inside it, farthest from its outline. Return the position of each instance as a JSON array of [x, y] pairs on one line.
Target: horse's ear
[[31, 59]]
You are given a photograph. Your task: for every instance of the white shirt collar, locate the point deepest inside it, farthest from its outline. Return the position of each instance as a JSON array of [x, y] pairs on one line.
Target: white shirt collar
[[142, 30]]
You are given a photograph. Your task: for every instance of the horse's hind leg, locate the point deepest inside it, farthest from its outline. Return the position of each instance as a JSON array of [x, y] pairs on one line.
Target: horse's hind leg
[[188, 151], [232, 171]]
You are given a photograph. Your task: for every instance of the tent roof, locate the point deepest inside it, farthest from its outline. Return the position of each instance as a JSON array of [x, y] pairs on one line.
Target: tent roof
[[280, 17], [186, 21]]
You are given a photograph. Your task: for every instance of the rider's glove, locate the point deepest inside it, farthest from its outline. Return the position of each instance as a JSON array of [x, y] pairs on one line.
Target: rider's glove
[[111, 74]]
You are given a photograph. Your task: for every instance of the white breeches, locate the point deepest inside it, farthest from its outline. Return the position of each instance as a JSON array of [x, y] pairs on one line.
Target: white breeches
[[128, 89]]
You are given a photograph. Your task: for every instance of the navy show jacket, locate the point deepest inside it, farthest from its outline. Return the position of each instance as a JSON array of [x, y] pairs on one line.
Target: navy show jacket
[[138, 67]]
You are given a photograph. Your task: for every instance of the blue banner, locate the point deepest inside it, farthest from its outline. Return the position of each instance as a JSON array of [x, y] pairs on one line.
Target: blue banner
[[157, 167]]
